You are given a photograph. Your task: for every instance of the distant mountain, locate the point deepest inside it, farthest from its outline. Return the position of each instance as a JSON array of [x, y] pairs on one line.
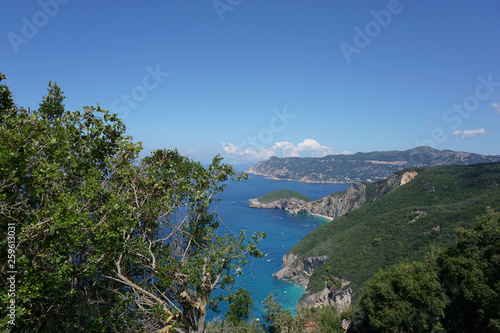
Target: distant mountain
[[385, 222], [366, 167]]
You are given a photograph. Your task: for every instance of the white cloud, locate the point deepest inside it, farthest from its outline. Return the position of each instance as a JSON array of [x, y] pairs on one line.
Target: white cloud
[[230, 148], [496, 106], [466, 134], [306, 148]]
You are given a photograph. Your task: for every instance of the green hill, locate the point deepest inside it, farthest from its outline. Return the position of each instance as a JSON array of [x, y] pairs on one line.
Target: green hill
[[401, 225], [282, 194]]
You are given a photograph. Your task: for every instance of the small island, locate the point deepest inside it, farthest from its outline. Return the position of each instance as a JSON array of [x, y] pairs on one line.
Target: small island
[[292, 201], [281, 194], [330, 206]]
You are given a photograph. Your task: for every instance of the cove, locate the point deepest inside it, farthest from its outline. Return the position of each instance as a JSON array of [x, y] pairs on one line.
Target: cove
[[283, 231]]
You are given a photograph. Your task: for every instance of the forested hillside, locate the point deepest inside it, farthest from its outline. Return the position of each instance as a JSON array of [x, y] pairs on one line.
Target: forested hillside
[[403, 224]]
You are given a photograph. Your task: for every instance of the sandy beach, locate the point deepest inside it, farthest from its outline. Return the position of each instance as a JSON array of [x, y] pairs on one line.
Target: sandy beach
[[323, 216]]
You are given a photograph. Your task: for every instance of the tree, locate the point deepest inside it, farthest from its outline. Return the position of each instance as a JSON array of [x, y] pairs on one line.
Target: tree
[[408, 297], [471, 276], [186, 258], [52, 180], [276, 317], [240, 306], [105, 241], [6, 100], [52, 105]]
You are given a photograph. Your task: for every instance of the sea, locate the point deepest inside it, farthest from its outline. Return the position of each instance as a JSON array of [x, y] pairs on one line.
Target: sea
[[283, 231]]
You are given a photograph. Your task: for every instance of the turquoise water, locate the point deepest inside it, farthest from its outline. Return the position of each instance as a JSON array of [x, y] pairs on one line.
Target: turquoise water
[[283, 232]]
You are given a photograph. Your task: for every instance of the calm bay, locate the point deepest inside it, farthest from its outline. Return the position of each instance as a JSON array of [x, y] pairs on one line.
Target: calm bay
[[283, 231]]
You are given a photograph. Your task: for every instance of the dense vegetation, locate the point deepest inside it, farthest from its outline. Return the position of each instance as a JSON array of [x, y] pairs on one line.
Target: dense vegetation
[[454, 289], [98, 240], [282, 194], [367, 167], [403, 224], [277, 320]]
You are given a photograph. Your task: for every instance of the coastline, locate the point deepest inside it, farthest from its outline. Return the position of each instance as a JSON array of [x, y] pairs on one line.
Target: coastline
[[254, 203], [300, 180]]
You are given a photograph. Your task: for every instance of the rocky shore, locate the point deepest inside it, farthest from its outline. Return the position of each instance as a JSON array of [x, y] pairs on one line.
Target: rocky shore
[[298, 270], [331, 206]]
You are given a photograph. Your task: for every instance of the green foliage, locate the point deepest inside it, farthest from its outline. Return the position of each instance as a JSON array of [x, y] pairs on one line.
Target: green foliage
[[325, 278], [105, 241], [276, 318], [52, 105], [470, 273], [314, 320], [405, 298], [52, 187], [377, 241], [324, 319], [282, 194], [241, 327], [455, 289], [6, 99], [333, 283], [240, 306]]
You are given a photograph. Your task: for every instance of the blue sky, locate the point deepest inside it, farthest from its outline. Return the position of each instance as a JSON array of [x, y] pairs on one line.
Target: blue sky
[[251, 79]]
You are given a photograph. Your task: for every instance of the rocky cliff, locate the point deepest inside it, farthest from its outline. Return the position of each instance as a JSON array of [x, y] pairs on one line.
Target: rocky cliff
[[298, 270], [339, 298], [331, 206]]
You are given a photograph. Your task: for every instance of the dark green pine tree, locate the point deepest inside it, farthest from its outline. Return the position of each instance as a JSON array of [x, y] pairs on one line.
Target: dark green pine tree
[[6, 99], [52, 105]]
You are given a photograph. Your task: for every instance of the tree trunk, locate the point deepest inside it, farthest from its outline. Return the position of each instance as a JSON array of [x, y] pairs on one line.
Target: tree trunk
[[201, 322]]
